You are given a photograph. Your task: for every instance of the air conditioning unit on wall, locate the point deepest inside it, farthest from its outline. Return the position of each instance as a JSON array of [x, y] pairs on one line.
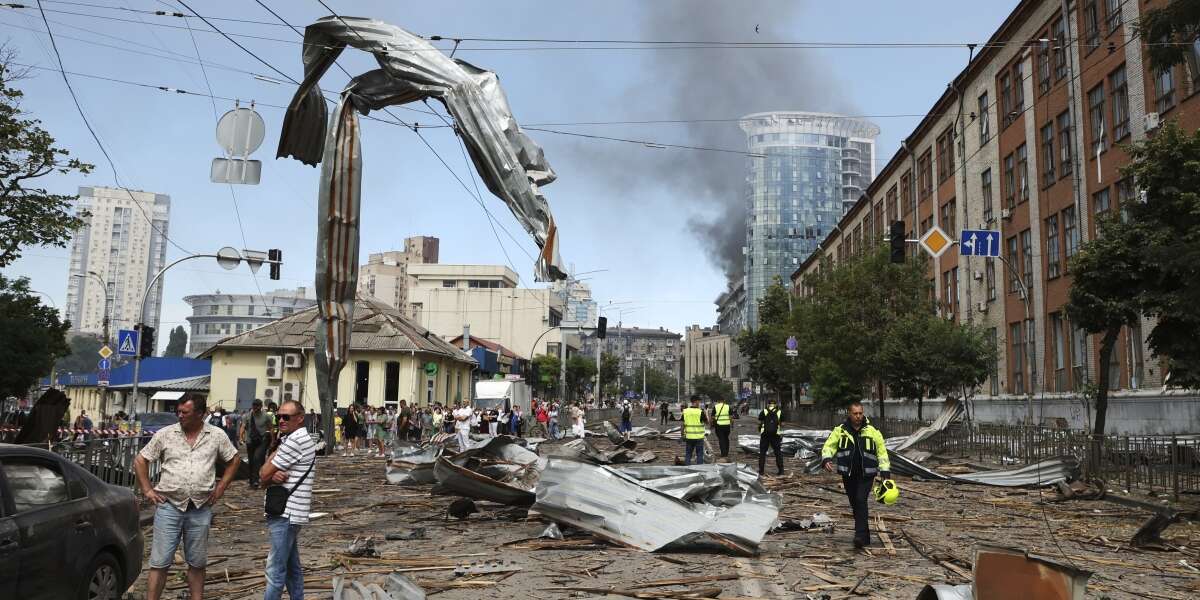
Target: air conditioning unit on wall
[[274, 366], [292, 360], [291, 391], [271, 394], [981, 307], [1006, 214], [1151, 122]]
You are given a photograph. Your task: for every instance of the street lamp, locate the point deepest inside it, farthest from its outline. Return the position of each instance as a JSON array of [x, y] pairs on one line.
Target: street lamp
[[601, 309], [107, 299], [229, 259]]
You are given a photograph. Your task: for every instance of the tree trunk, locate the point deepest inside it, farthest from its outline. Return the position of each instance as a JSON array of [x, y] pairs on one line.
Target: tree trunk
[[1107, 345], [920, 405], [879, 394]]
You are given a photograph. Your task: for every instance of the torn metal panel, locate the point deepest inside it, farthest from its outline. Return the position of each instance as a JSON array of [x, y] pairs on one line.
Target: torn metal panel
[[619, 508], [412, 465], [952, 412], [511, 165], [1043, 473], [794, 440], [582, 449], [395, 587], [1004, 573], [500, 471], [941, 591]]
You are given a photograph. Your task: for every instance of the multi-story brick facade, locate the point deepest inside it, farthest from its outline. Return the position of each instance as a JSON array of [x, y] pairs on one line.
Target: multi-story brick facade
[[1028, 140]]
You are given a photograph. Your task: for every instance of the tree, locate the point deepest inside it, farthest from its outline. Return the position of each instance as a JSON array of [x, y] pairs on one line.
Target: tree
[[1173, 27], [31, 337], [925, 355], [763, 348], [1105, 295], [659, 384], [610, 373], [712, 386], [30, 215], [1167, 225], [546, 367], [82, 355], [177, 346], [580, 372]]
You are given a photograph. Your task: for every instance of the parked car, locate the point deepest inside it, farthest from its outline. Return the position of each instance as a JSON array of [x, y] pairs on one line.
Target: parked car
[[64, 533], [153, 421]]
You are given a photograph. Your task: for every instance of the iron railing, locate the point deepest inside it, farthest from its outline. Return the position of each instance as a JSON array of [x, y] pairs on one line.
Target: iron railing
[[109, 457], [1158, 464]]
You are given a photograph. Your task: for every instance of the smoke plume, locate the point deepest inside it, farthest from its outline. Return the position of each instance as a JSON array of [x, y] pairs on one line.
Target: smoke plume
[[717, 83]]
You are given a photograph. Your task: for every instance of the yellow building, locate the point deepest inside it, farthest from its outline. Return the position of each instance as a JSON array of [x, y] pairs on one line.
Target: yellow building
[[391, 359]]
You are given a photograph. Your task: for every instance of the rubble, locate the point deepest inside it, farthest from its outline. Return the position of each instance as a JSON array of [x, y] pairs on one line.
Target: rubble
[[500, 471], [412, 464], [397, 587]]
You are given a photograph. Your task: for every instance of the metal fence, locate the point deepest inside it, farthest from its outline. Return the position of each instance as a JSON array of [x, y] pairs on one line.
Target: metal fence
[[108, 457], [1158, 464]]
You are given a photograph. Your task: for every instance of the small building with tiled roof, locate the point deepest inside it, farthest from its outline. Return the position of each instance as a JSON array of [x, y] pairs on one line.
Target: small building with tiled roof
[[493, 359], [390, 359]]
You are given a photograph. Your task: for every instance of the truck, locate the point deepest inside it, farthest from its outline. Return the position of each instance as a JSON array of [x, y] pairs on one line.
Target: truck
[[502, 396]]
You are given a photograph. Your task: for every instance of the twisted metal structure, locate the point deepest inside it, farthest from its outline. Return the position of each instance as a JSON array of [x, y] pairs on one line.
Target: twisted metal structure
[[509, 162]]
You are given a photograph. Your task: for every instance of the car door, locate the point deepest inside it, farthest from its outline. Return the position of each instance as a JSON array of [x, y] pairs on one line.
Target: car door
[[10, 543], [48, 522]]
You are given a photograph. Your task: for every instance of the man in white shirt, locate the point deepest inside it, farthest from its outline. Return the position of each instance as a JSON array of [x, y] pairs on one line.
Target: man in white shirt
[[577, 420], [462, 425], [292, 465]]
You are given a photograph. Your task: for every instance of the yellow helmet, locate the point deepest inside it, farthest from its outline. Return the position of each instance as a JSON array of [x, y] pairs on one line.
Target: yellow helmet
[[886, 491]]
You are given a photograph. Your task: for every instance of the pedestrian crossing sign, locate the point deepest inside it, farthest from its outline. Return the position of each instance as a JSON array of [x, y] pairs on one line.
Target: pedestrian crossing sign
[[127, 342]]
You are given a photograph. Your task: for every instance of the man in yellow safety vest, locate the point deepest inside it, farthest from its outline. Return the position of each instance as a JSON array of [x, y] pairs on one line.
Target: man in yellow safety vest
[[720, 416], [693, 432], [856, 450]]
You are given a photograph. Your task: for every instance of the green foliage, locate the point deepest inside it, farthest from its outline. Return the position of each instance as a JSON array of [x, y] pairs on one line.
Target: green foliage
[[1178, 21], [926, 356], [763, 348], [831, 386], [30, 215], [610, 373], [177, 346], [548, 368], [659, 384], [32, 337], [712, 386], [82, 355], [581, 371]]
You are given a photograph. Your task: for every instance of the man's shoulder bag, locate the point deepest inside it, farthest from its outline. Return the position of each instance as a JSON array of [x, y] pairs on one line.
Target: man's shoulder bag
[[277, 496]]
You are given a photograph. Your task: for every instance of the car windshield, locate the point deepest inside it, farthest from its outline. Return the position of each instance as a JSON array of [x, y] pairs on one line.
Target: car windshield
[[157, 419], [489, 403]]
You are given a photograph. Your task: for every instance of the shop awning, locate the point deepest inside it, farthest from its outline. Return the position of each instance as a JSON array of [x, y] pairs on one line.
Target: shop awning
[[167, 395]]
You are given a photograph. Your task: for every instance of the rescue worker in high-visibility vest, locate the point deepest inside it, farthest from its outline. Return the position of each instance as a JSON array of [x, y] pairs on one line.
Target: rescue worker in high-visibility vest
[[768, 435], [720, 417], [693, 432], [855, 448]]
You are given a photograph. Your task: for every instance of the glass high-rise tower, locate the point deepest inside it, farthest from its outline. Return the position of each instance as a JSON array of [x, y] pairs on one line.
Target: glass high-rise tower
[[813, 168]]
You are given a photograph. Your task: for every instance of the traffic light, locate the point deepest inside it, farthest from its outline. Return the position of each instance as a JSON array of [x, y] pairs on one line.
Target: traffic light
[[897, 240], [275, 255], [601, 327], [145, 341]]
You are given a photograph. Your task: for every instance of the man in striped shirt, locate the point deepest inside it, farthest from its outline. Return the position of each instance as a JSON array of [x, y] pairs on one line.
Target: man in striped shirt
[[292, 465]]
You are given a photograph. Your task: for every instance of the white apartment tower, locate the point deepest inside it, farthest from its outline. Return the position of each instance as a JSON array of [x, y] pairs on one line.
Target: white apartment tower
[[121, 245], [385, 276]]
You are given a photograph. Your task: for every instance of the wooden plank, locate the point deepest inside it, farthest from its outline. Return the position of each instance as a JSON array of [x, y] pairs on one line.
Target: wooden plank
[[883, 535]]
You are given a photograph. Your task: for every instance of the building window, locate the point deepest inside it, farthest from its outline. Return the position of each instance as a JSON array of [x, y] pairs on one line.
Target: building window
[[1164, 90], [1059, 41], [1091, 25], [1070, 231], [1078, 352], [989, 274], [213, 309], [994, 372], [949, 221], [1018, 358], [1048, 157], [449, 283], [1096, 117], [1027, 257], [1101, 202], [250, 310], [890, 201], [1065, 162], [1005, 99], [985, 180], [1043, 69], [925, 166], [362, 381], [1120, 103], [1058, 355], [1135, 355], [1112, 14], [1022, 174], [1126, 194], [985, 123], [1053, 255], [906, 199], [1011, 265], [1018, 105], [229, 309], [1010, 183], [942, 144], [947, 294]]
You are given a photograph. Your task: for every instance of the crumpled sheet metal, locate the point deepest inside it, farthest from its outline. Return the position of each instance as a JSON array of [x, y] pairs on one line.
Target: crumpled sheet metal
[[582, 449], [952, 412], [395, 587], [1003, 573], [941, 591], [511, 165], [499, 471], [617, 507], [793, 441], [715, 484], [412, 464], [1047, 472]]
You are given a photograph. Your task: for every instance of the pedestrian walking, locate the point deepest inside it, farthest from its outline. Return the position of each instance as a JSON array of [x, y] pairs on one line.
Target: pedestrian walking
[[552, 420], [291, 467], [258, 433], [626, 418], [427, 426], [383, 429], [768, 435], [857, 450], [693, 432], [577, 424], [462, 425], [722, 425], [663, 412], [188, 453]]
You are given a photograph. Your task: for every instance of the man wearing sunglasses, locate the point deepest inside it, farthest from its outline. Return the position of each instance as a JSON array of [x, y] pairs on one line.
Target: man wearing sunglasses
[[290, 465]]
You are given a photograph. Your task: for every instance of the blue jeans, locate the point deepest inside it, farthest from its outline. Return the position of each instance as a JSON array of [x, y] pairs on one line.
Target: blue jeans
[[554, 429], [172, 525], [283, 561], [696, 446]]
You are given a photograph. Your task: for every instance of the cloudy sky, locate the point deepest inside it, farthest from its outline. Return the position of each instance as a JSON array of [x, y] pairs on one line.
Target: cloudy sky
[[663, 222]]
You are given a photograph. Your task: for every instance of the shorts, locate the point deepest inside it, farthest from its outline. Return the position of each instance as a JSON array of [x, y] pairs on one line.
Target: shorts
[[170, 526]]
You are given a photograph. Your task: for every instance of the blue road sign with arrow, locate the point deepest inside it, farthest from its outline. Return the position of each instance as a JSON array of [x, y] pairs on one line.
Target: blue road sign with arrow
[[127, 342], [979, 242]]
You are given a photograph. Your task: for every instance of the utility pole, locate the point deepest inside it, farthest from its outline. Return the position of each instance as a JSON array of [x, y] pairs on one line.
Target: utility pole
[[107, 312], [562, 347]]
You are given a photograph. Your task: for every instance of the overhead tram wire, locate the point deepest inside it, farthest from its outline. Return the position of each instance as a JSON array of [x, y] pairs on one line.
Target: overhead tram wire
[[103, 150]]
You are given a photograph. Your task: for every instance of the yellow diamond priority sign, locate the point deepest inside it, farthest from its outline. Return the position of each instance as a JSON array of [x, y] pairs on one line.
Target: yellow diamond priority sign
[[935, 241], [105, 351]]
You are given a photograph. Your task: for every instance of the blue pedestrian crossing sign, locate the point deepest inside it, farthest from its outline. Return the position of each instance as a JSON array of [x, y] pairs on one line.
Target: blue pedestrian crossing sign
[[979, 242], [127, 342]]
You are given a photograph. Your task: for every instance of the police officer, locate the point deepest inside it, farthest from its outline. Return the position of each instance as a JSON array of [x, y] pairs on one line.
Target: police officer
[[693, 432], [768, 435], [857, 449], [721, 420]]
